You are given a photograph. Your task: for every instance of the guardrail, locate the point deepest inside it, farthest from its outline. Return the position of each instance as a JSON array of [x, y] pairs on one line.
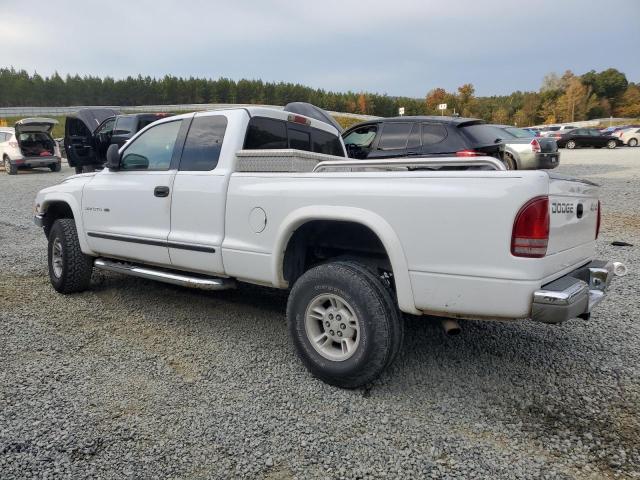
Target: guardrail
[[188, 107]]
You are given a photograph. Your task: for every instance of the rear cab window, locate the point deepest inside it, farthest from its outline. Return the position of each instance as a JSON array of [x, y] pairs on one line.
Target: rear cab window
[[272, 133]]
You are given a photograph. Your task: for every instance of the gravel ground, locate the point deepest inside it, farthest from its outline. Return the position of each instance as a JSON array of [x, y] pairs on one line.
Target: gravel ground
[[136, 379]]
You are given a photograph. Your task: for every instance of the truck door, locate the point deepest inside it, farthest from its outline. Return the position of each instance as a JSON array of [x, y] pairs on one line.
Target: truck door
[[126, 213], [199, 196]]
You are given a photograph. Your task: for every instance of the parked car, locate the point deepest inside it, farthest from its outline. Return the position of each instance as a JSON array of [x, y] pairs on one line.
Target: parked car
[[555, 129], [211, 199], [524, 151], [29, 145], [586, 137], [630, 136], [87, 148], [423, 136]]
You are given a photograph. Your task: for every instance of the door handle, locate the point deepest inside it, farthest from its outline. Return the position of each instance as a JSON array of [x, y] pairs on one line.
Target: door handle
[[161, 191]]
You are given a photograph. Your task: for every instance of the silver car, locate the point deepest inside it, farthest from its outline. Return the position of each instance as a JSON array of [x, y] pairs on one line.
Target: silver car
[[524, 151]]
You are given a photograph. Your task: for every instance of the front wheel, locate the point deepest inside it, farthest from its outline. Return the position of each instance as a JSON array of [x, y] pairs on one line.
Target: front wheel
[[612, 144], [55, 167], [344, 323], [633, 142], [69, 269], [571, 144]]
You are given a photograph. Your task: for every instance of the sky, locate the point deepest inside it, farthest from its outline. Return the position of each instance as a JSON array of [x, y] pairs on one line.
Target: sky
[[397, 47]]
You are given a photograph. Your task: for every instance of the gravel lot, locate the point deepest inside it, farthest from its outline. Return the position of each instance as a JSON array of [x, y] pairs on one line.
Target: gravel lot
[[136, 379]]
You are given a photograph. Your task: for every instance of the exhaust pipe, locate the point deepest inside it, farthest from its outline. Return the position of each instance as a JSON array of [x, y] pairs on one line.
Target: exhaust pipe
[[450, 326]]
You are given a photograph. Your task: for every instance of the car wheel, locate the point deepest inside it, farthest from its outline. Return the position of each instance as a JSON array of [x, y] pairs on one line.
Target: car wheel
[[344, 323], [612, 144], [633, 142], [510, 162], [10, 168], [55, 167], [69, 269], [78, 170], [571, 144]]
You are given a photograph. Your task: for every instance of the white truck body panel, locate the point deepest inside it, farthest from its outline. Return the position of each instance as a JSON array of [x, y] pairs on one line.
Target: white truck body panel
[[447, 233]]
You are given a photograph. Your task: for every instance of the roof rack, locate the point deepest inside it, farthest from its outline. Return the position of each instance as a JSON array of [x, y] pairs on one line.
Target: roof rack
[[399, 163]]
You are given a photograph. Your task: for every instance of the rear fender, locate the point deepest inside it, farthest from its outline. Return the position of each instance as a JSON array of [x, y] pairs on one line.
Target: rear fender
[[374, 222]]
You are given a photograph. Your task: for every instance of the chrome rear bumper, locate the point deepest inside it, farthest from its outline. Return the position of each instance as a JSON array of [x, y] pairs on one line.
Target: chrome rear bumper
[[575, 294]]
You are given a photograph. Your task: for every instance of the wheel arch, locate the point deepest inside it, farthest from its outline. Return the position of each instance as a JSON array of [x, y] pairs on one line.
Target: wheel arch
[[372, 221], [63, 205]]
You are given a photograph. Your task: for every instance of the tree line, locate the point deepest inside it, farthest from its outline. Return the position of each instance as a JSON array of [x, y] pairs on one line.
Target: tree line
[[563, 98]]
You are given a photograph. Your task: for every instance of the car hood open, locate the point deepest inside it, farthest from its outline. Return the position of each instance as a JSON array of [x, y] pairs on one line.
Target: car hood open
[[35, 125]]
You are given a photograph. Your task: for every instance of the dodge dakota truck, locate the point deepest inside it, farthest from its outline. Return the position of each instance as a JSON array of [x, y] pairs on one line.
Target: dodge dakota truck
[[268, 197]]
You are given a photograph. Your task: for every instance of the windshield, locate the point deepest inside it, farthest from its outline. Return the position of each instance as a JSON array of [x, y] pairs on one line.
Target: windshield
[[482, 134], [519, 132], [361, 137]]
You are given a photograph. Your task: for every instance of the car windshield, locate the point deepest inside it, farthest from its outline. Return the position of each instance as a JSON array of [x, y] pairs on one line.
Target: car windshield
[[362, 137], [482, 134], [519, 132]]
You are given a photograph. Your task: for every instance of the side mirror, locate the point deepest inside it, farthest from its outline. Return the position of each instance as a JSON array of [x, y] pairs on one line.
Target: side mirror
[[113, 157], [133, 161]]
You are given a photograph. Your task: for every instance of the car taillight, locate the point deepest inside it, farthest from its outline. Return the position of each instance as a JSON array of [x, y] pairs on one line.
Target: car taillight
[[535, 146], [467, 153], [530, 235], [598, 221]]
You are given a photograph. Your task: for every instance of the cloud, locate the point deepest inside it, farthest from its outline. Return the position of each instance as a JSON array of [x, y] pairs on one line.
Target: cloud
[[404, 47]]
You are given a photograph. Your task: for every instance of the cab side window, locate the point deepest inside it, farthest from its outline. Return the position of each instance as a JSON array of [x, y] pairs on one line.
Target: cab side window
[[204, 142], [153, 149]]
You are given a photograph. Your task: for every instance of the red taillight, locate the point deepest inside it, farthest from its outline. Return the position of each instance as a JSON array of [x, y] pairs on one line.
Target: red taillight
[[467, 153], [530, 235], [598, 221], [535, 146]]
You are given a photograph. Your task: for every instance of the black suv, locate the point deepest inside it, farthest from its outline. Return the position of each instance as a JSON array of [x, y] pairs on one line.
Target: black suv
[[89, 132], [422, 136]]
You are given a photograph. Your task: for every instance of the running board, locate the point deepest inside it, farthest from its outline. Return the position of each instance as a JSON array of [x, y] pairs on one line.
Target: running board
[[176, 278]]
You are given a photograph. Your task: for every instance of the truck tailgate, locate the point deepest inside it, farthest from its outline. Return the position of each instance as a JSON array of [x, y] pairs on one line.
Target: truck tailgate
[[573, 208]]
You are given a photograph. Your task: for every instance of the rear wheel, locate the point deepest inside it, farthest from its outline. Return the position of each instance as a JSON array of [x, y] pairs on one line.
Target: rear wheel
[[9, 167], [55, 167], [69, 269], [571, 144], [344, 323], [633, 142], [78, 170], [510, 162], [612, 144]]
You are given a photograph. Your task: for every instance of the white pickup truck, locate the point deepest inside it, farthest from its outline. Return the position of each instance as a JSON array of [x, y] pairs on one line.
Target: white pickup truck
[[267, 197]]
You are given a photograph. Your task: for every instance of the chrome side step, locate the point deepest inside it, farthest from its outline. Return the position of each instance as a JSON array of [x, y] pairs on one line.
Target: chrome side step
[[176, 278]]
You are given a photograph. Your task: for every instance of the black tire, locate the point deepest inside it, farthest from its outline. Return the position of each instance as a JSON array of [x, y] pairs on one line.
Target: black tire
[[611, 144], [633, 142], [10, 168], [571, 145], [76, 267], [381, 326], [78, 170], [510, 162], [55, 167]]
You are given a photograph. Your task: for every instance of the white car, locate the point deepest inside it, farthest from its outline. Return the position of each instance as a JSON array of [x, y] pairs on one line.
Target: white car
[[29, 145], [267, 197], [553, 129], [629, 136]]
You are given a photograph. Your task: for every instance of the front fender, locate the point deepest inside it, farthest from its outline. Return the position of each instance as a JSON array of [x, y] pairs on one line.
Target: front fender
[[373, 221], [46, 200]]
